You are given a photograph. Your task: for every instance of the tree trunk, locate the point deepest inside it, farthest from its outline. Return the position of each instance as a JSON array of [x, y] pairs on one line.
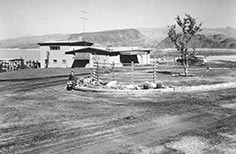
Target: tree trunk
[[186, 70], [185, 64]]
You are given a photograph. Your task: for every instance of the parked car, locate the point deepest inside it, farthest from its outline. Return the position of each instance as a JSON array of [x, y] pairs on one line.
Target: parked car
[[193, 60]]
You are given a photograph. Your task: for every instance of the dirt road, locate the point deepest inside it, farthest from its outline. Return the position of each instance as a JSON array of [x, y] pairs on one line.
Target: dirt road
[[40, 116]]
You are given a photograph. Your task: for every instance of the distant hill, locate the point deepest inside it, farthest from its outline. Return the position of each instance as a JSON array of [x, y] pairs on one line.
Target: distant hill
[[27, 42], [145, 37], [124, 37], [161, 33], [208, 41], [228, 31], [211, 38]]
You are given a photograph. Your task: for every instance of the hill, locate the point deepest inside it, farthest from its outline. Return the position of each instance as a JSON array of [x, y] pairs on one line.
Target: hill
[[124, 37], [211, 38], [161, 33], [209, 41], [145, 37], [228, 31], [28, 42]]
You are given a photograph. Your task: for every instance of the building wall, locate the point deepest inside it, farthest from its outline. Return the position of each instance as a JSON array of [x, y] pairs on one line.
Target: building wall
[[144, 58], [116, 60], [104, 60], [57, 58]]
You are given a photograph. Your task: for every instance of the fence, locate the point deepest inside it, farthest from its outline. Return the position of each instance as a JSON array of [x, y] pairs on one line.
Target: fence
[[137, 73], [131, 72]]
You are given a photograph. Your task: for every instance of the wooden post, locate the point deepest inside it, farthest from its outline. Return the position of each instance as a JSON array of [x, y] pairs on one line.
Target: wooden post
[[97, 72], [94, 72], [112, 70], [104, 63], [208, 67], [132, 72], [154, 72]]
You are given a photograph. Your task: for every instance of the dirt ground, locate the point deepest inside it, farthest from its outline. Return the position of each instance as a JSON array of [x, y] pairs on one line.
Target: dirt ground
[[40, 116]]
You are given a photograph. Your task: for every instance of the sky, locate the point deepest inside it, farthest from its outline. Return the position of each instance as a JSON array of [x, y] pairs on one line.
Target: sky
[[38, 17]]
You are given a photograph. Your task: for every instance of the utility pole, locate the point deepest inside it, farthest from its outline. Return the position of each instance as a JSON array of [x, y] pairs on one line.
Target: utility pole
[[83, 18]]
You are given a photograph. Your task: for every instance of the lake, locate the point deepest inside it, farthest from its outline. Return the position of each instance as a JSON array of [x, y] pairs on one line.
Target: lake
[[222, 57], [27, 54], [34, 54]]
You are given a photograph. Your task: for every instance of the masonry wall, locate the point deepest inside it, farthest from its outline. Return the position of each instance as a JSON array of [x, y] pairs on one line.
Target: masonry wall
[[144, 58], [57, 58], [105, 60]]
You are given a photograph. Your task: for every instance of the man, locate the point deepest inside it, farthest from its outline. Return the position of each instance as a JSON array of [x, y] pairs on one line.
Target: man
[[72, 76], [72, 81]]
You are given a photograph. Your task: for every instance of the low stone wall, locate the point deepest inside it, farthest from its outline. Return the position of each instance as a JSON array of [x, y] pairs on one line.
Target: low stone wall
[[158, 91], [205, 87]]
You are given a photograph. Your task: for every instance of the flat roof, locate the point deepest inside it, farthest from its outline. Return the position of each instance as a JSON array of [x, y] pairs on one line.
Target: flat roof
[[97, 50], [111, 49], [125, 49], [66, 43]]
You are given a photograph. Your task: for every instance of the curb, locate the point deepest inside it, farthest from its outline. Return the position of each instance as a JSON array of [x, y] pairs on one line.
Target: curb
[[154, 91]]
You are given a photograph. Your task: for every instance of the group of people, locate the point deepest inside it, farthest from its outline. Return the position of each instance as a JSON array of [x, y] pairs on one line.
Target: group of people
[[16, 64], [32, 64]]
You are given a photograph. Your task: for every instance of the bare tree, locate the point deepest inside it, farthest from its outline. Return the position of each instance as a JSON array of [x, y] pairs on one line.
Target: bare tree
[[189, 28]]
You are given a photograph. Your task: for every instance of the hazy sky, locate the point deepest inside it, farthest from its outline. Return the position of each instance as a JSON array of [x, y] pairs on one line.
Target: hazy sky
[[36, 17]]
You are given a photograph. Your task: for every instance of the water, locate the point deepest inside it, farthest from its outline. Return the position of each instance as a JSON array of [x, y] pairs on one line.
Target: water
[[27, 54], [34, 54], [223, 57]]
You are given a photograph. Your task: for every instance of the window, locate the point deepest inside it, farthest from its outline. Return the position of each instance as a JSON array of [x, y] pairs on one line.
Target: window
[[63, 61], [54, 61], [54, 47]]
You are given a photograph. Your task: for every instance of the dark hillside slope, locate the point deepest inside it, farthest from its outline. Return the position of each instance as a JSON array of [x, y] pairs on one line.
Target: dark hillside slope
[[210, 41], [30, 41], [125, 37]]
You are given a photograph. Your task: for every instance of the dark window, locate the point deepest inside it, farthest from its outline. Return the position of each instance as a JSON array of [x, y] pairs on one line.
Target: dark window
[[63, 61], [54, 61], [54, 47], [127, 59]]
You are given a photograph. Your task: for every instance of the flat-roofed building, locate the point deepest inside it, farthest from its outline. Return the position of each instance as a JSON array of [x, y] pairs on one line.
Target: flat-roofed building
[[84, 54], [120, 56], [52, 53]]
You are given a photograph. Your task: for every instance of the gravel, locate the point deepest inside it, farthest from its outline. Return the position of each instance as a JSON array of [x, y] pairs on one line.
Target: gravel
[[189, 145]]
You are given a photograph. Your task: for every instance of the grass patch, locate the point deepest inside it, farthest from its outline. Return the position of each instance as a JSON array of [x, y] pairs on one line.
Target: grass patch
[[41, 73]]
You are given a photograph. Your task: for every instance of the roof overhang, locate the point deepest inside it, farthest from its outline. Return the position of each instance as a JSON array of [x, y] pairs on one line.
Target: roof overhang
[[66, 43], [109, 51], [92, 50], [134, 52]]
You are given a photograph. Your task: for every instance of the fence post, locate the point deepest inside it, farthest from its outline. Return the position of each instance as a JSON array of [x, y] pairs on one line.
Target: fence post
[[154, 72], [208, 67], [104, 63], [97, 71], [132, 72], [112, 70]]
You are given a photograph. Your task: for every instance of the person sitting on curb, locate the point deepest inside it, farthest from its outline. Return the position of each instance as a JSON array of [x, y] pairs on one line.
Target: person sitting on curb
[[72, 79], [72, 76]]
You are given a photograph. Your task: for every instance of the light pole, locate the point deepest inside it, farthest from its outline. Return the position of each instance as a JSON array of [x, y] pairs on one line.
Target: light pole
[[83, 18]]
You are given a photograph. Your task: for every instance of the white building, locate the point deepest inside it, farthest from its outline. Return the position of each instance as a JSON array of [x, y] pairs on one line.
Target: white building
[[52, 53], [83, 54]]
